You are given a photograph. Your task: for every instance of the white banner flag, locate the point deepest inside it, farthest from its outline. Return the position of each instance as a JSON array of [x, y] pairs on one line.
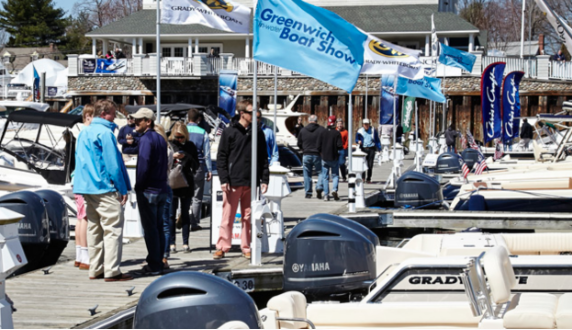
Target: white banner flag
[[558, 23], [218, 14], [382, 57], [434, 39]]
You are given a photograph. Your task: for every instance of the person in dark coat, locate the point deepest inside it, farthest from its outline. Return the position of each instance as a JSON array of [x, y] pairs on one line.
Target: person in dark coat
[[329, 145], [526, 133], [298, 127], [129, 139], [187, 156], [451, 137], [311, 159]]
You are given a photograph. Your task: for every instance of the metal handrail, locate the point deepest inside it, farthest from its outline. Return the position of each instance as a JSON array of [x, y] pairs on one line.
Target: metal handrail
[[295, 319]]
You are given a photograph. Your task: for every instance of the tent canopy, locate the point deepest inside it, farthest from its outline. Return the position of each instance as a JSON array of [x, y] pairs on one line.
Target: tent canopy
[[56, 74]]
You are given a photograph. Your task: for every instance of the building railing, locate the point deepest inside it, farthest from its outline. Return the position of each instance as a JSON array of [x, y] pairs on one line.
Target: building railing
[[539, 67]]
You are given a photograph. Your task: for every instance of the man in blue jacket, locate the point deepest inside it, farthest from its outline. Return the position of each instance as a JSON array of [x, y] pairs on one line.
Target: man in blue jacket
[[151, 188], [101, 177], [271, 146], [368, 140]]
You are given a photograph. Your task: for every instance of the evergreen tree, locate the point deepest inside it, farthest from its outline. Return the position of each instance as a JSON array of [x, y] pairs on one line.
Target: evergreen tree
[[32, 22], [75, 41]]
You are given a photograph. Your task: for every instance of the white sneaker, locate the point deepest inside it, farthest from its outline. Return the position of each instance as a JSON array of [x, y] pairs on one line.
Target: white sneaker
[[326, 198]]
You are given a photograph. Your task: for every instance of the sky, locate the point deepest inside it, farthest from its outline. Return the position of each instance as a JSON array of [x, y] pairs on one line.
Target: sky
[[66, 5]]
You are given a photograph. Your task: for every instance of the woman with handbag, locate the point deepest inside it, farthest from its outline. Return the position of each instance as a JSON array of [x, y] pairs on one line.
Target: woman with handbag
[[186, 162], [168, 227]]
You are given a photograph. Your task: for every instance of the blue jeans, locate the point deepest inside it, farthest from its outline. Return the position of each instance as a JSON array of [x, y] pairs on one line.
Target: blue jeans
[[310, 163], [151, 209], [185, 216], [328, 165], [168, 226], [342, 162], [451, 149]]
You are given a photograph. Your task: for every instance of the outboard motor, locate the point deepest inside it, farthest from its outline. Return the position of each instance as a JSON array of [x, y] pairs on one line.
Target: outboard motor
[[470, 157], [350, 224], [450, 191], [193, 300], [448, 162], [324, 257], [33, 229], [59, 225], [417, 189]]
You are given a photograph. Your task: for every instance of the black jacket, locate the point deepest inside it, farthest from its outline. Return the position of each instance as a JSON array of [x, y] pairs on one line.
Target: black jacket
[[330, 144], [235, 154], [190, 165], [450, 136], [526, 131], [309, 137]]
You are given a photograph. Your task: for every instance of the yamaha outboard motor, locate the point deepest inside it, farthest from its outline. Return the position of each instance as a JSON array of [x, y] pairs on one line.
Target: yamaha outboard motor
[[417, 189], [470, 157], [448, 162], [450, 191], [33, 229], [193, 300], [324, 257], [59, 225], [350, 224]]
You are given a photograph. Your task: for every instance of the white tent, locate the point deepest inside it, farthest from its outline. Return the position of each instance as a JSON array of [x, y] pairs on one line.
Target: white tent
[[56, 74]]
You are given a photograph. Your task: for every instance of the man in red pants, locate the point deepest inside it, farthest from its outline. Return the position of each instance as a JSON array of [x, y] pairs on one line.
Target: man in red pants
[[234, 169]]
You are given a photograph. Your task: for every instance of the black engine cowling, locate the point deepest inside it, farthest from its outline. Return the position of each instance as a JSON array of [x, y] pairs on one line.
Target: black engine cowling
[[348, 223], [448, 162], [470, 157], [193, 300], [324, 257], [59, 225], [417, 189], [33, 229]]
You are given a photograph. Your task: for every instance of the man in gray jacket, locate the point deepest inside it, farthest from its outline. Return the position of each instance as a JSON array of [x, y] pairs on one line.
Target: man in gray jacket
[[308, 143]]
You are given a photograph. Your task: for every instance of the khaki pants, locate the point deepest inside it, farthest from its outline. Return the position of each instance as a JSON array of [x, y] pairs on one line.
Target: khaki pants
[[104, 234]]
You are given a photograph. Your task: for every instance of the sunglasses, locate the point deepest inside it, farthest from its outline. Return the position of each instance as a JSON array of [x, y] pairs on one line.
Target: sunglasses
[[179, 137]]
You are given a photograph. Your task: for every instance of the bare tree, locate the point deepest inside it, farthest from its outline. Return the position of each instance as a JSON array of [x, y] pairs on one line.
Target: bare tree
[[103, 12]]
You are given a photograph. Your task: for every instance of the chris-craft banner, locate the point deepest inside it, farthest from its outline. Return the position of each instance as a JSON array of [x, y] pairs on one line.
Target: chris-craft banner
[[491, 82], [511, 105], [223, 15], [311, 40]]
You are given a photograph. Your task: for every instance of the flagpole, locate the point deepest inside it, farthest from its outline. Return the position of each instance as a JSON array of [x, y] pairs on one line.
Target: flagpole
[[366, 88], [394, 119], [158, 120], [275, 99], [417, 158], [255, 259], [522, 30], [350, 134]]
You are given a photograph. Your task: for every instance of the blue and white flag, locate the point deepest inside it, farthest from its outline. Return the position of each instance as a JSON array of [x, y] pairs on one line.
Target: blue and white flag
[[316, 42], [453, 57], [223, 15], [511, 105], [491, 82], [36, 88], [382, 57], [388, 100], [426, 88]]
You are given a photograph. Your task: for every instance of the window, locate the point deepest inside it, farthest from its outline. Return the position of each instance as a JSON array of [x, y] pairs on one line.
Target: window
[[203, 49], [166, 52], [179, 52]]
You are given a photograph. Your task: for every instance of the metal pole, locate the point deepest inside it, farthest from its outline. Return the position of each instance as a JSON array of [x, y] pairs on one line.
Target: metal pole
[[275, 97], [255, 255], [366, 88], [446, 107], [158, 62], [350, 134], [394, 115], [522, 30], [43, 87]]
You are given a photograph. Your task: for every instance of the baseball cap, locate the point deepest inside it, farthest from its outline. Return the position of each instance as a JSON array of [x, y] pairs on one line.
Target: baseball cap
[[144, 113], [331, 120], [366, 121]]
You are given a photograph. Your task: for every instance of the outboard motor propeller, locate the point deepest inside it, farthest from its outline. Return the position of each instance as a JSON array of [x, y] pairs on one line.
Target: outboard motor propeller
[[324, 257], [448, 162], [33, 229], [59, 225], [417, 189], [193, 300]]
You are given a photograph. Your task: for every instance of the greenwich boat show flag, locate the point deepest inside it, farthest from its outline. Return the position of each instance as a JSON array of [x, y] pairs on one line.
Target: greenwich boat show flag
[[511, 105], [223, 15], [491, 83], [457, 58], [316, 42], [382, 57], [558, 24], [426, 88]]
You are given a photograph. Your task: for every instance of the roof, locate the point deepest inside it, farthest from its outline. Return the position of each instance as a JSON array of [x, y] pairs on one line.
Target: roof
[[373, 19], [46, 118], [164, 107], [513, 48], [23, 56]]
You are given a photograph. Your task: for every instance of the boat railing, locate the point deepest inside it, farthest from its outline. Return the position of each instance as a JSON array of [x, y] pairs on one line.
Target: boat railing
[[374, 282]]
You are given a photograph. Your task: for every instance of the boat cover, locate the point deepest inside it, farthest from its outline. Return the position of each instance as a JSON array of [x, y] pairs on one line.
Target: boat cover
[[46, 118]]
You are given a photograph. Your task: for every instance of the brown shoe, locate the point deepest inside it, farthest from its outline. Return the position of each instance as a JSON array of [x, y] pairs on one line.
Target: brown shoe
[[165, 264], [76, 264], [98, 277], [83, 266], [119, 277], [246, 255], [219, 254]]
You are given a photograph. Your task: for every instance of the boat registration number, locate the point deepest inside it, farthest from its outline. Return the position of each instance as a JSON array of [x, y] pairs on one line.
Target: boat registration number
[[246, 284]]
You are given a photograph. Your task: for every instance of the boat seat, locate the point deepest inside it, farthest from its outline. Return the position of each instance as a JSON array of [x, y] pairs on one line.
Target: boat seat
[[541, 154], [538, 243], [291, 304], [564, 312], [534, 311], [234, 325]]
